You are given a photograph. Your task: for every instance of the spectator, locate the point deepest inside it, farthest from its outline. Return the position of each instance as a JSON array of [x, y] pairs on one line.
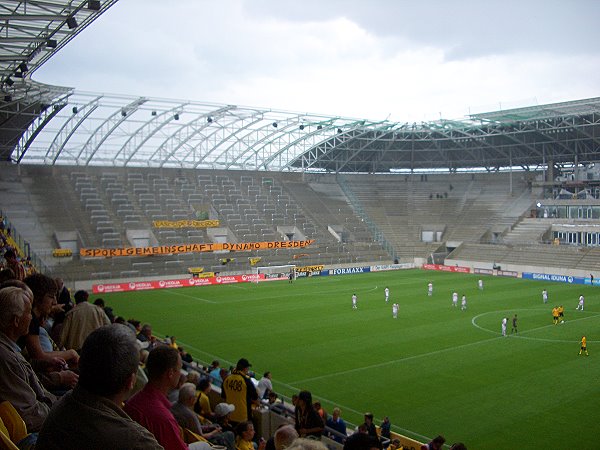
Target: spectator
[[458, 446], [99, 302], [215, 374], [91, 415], [435, 444], [336, 423], [6, 274], [308, 421], [202, 405], [371, 430], [284, 437], [320, 411], [264, 386], [81, 321], [13, 264], [386, 428], [222, 416], [395, 445], [186, 418], [239, 390], [362, 441], [146, 338], [51, 366], [244, 432], [151, 408], [19, 384], [307, 444]]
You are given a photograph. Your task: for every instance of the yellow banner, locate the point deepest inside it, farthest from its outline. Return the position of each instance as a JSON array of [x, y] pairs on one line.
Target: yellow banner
[[62, 252], [196, 270], [191, 248], [206, 274], [254, 261], [185, 223], [310, 268]]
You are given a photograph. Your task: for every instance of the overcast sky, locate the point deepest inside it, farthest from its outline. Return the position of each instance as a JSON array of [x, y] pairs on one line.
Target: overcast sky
[[374, 59]]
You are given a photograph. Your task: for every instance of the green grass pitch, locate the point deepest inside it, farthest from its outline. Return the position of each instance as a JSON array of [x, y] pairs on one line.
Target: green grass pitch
[[434, 370]]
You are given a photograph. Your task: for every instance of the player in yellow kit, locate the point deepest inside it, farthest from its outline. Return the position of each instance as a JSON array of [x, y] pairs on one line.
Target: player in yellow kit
[[555, 314], [561, 314], [584, 347]]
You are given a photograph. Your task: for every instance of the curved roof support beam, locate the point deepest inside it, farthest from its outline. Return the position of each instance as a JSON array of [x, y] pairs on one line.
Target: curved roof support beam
[[34, 129], [192, 129], [237, 141], [145, 132], [101, 133], [258, 146], [68, 129]]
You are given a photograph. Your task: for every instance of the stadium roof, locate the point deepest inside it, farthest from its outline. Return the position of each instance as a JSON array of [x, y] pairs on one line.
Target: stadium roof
[[31, 31], [44, 124], [111, 130]]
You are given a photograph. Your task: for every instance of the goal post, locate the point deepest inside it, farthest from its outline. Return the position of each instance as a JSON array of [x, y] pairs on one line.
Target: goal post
[[272, 273]]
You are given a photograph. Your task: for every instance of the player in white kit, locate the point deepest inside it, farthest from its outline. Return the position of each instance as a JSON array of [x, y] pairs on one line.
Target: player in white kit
[[395, 308], [387, 294], [463, 303], [354, 298], [545, 296], [430, 289], [480, 284], [504, 321], [580, 305], [455, 299]]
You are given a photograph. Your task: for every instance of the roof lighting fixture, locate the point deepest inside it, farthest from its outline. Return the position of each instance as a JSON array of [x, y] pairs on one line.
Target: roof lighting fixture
[[71, 22]]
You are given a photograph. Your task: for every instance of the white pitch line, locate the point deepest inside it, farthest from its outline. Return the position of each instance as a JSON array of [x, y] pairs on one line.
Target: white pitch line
[[194, 297], [387, 363]]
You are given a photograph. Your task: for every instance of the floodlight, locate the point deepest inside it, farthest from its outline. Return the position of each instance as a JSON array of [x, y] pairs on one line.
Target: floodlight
[[339, 130], [75, 110], [320, 127], [51, 43], [71, 22], [8, 98], [93, 5], [301, 127], [123, 112], [23, 67], [209, 119], [153, 113], [274, 124], [9, 81], [176, 117]]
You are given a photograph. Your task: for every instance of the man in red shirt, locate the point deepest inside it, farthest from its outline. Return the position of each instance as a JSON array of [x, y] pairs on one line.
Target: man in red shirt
[[151, 408]]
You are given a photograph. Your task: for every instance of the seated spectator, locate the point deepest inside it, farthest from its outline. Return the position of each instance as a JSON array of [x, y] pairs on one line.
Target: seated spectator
[[436, 443], [185, 356], [99, 302], [52, 367], [284, 437], [395, 445], [308, 421], [320, 411], [151, 408], [458, 446], [186, 418], [272, 398], [386, 428], [244, 436], [174, 393], [202, 405], [214, 372], [19, 384], [361, 440], [13, 264], [336, 423], [222, 416], [264, 386], [6, 274], [81, 321], [91, 417], [307, 444]]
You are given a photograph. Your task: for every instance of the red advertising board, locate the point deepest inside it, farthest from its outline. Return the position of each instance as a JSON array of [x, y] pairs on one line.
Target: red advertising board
[[444, 268], [178, 283]]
